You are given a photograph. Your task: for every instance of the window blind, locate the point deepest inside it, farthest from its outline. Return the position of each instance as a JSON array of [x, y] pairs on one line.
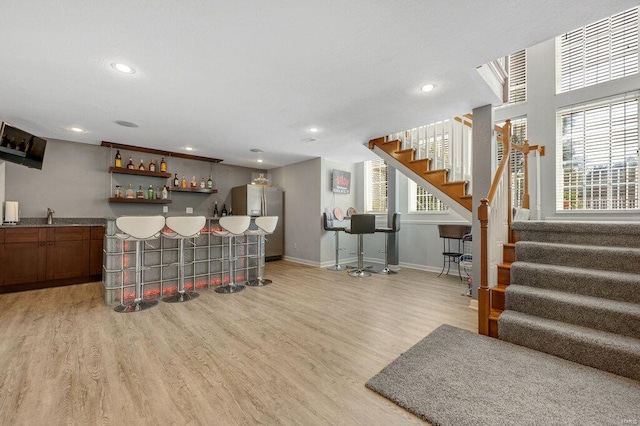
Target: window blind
[[376, 184], [603, 51], [516, 160], [598, 143], [421, 201], [518, 77]]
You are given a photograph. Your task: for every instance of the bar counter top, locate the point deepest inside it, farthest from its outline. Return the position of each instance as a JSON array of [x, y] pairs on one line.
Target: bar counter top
[[36, 222]]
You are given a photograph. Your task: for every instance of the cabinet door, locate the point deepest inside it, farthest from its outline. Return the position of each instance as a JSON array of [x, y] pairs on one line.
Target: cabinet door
[[95, 261], [24, 263], [2, 261], [68, 252]]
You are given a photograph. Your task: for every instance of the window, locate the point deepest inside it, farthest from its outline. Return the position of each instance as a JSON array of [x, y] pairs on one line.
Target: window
[[598, 155], [376, 181], [517, 77], [421, 201], [603, 51], [518, 136]]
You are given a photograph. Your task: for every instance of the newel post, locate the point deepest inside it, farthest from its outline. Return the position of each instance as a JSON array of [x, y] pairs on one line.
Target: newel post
[[484, 299]]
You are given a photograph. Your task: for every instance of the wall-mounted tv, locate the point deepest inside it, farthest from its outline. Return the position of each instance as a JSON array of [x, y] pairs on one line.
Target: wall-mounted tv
[[20, 147], [341, 181]]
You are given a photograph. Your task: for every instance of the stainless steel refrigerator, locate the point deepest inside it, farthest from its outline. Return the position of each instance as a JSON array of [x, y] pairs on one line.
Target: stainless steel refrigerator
[[255, 200]]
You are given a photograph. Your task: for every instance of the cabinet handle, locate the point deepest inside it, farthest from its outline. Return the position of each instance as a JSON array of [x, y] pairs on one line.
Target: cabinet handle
[[49, 244], [42, 244]]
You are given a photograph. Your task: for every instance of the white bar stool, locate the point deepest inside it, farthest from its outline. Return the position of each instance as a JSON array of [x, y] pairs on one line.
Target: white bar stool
[[138, 229], [232, 227], [266, 225], [181, 228]]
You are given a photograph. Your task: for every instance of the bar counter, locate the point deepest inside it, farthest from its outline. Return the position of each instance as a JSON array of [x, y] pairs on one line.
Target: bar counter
[[206, 262]]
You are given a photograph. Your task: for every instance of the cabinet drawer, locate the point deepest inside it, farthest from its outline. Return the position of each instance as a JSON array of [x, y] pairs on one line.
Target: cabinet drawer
[[72, 233], [97, 232], [21, 235]]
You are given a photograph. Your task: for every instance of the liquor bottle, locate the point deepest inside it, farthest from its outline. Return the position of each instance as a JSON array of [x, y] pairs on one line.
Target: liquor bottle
[[130, 191], [163, 165], [165, 193], [140, 192], [141, 166], [118, 159], [152, 166], [202, 184], [183, 184], [176, 181], [118, 192], [150, 193], [215, 210], [230, 212], [210, 183], [224, 210], [194, 184], [130, 164], [157, 194]]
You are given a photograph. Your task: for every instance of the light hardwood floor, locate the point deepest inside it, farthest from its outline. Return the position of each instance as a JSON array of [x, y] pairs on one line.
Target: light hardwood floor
[[296, 352]]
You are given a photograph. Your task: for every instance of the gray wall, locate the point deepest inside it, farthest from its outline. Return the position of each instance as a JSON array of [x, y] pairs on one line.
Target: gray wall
[[75, 182]]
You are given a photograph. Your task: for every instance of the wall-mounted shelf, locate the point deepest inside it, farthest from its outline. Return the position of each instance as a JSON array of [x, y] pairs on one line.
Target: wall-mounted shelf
[[139, 200], [138, 172], [194, 190]]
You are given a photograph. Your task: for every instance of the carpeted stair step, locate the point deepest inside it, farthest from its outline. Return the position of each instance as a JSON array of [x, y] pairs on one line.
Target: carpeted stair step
[[619, 259], [616, 234], [593, 312], [588, 282], [599, 349]]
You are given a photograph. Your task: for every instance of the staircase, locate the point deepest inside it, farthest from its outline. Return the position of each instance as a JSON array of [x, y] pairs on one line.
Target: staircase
[[574, 293], [436, 181]]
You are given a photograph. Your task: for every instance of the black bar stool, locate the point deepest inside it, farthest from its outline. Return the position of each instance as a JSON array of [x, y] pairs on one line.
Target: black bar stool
[[361, 224], [452, 252], [327, 224], [395, 227]]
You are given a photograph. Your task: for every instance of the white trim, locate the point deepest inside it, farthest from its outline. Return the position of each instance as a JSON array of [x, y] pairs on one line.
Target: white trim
[[473, 304]]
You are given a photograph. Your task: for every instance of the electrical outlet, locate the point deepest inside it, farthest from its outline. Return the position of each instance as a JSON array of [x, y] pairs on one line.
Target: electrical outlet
[[165, 209], [189, 210], [295, 245]]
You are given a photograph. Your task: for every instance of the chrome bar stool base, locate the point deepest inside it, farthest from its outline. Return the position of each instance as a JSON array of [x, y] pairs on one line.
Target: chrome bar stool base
[[136, 306], [359, 273], [258, 282], [386, 270], [181, 297], [229, 289], [339, 267]]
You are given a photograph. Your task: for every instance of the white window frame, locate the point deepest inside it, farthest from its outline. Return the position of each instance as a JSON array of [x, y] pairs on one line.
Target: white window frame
[[603, 51], [614, 125]]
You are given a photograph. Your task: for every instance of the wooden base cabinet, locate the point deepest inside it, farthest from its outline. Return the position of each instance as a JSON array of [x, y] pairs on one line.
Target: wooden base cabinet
[[46, 257]]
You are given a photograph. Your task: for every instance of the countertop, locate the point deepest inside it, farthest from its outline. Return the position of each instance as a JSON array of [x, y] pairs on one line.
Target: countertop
[[33, 222]]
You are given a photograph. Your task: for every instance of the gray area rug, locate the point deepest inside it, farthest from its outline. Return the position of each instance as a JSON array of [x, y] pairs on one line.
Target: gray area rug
[[455, 377]]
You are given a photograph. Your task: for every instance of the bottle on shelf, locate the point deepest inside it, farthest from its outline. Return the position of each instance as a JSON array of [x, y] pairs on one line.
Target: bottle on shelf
[[215, 210], [165, 193], [194, 184], [202, 183], [152, 166], [118, 162], [130, 164], [141, 166], [163, 165], [230, 211], [183, 183], [176, 181], [140, 192], [210, 183], [118, 192], [150, 193], [224, 210], [157, 194], [130, 193]]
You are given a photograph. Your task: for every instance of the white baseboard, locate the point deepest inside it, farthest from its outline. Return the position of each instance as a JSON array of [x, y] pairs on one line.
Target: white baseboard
[[473, 304], [301, 261]]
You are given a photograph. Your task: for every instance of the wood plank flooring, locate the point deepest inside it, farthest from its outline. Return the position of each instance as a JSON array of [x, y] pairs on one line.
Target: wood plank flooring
[[297, 352]]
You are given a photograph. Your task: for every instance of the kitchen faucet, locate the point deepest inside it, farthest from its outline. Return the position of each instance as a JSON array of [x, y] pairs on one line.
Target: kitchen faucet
[[50, 216]]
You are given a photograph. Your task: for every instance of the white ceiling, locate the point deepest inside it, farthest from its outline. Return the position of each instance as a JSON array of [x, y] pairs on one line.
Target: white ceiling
[[228, 76]]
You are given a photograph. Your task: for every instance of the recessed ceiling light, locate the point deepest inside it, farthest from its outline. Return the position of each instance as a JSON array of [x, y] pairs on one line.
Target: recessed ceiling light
[[313, 129], [428, 87], [76, 129], [259, 160], [123, 68], [188, 148]]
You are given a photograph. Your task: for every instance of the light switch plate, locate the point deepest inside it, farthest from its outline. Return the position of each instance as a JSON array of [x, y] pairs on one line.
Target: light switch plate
[[189, 209], [165, 209]]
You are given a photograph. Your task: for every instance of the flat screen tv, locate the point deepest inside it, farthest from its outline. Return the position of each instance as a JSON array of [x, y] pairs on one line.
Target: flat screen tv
[[341, 181], [20, 147]]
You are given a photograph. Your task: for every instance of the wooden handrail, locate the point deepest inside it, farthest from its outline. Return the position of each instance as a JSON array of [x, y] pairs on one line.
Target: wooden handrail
[[484, 295]]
